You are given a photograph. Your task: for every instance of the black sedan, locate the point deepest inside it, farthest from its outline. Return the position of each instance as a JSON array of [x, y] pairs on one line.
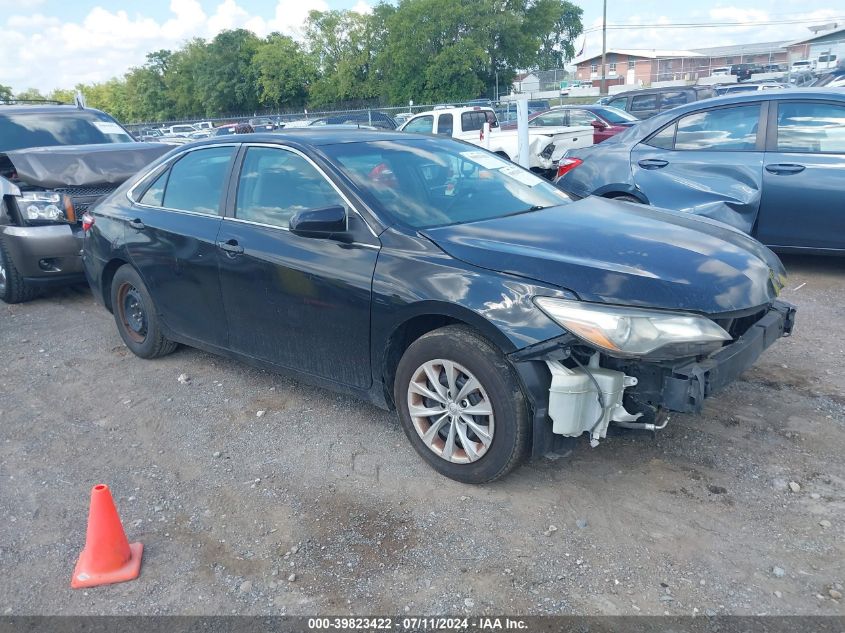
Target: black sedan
[[423, 274]]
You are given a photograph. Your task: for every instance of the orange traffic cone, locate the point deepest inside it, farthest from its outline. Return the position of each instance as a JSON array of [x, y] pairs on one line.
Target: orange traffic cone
[[108, 557]]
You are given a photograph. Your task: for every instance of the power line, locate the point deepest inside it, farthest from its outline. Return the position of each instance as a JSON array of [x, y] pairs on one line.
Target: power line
[[707, 25]]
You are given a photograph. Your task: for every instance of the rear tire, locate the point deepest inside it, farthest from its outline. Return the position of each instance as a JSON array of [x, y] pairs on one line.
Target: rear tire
[[13, 287], [472, 424], [136, 317]]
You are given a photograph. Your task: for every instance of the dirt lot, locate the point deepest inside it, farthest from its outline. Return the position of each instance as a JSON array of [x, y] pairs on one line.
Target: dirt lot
[[319, 505]]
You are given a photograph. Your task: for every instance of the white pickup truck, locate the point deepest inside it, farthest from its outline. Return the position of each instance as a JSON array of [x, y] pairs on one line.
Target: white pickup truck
[[467, 124]]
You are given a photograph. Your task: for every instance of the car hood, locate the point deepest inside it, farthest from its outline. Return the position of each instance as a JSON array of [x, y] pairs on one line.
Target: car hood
[[78, 165], [623, 253]]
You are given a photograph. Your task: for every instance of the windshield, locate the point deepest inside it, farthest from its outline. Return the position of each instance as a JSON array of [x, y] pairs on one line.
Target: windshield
[[433, 182], [615, 115], [20, 130]]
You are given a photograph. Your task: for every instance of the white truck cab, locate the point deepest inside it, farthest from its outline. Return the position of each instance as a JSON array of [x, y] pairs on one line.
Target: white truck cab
[[467, 124]]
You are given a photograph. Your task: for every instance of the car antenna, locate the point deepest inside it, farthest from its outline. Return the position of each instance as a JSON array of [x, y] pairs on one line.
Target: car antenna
[[79, 99]]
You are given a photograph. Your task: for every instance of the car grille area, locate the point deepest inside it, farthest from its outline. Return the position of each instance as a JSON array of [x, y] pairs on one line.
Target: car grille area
[[84, 197]]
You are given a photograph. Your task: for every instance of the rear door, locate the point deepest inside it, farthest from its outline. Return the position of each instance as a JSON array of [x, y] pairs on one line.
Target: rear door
[[170, 237], [297, 302], [708, 162], [804, 175]]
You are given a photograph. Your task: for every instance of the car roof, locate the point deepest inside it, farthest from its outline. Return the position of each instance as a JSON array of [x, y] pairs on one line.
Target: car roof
[[459, 109], [44, 109], [315, 136], [659, 120], [628, 93]]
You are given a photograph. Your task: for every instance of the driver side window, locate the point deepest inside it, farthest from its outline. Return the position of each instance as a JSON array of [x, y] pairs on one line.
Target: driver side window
[[421, 125]]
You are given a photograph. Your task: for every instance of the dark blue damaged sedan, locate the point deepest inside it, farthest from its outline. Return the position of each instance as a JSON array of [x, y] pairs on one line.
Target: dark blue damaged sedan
[[771, 163], [497, 315]]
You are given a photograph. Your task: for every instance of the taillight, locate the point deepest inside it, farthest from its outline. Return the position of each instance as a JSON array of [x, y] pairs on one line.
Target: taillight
[[87, 221], [566, 165]]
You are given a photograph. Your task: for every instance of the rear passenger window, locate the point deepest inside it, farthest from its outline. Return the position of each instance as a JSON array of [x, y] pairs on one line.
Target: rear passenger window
[[725, 129], [196, 181], [275, 184], [672, 99], [153, 196], [641, 103], [664, 139], [444, 124], [811, 128]]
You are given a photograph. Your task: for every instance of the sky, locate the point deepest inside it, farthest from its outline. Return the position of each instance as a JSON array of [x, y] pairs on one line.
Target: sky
[[47, 44]]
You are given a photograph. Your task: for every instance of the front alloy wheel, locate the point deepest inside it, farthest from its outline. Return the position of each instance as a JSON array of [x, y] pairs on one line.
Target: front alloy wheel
[[451, 411], [461, 405]]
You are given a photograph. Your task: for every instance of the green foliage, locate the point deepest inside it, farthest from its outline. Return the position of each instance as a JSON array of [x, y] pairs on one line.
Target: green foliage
[[284, 72], [425, 50], [5, 92], [30, 93]]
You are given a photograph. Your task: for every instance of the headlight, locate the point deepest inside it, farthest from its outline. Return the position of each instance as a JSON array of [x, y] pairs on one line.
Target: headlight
[[634, 331], [46, 206]]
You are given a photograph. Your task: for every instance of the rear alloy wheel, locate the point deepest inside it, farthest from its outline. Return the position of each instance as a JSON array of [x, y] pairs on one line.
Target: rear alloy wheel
[[135, 315], [461, 405]]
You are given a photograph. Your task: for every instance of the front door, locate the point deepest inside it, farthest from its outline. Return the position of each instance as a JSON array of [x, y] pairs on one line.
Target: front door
[[298, 302], [804, 171], [170, 238], [708, 162]]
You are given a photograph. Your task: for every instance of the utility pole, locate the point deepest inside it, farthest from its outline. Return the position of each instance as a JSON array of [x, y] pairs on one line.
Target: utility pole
[[603, 89]]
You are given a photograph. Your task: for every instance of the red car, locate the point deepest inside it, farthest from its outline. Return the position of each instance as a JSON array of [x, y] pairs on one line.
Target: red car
[[605, 120]]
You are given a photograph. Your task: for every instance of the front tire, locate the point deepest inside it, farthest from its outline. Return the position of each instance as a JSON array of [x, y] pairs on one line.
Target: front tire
[[136, 317], [461, 405], [13, 287]]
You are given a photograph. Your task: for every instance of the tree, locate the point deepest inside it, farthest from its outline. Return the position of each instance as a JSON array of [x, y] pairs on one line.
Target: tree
[[227, 79], [284, 72], [32, 94], [181, 79], [5, 92]]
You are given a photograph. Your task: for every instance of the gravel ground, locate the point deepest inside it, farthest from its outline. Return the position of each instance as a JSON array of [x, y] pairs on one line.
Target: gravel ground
[[319, 504]]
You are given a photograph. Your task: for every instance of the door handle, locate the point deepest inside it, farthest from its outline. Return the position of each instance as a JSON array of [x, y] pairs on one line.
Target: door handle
[[137, 224], [231, 247], [652, 163], [785, 168]]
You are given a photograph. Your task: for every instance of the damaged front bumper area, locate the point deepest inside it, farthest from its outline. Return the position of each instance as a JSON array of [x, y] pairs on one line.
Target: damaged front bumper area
[[562, 376]]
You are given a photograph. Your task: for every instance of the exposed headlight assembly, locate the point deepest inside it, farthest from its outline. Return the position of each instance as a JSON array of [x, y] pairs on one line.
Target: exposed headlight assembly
[[624, 331], [46, 206]]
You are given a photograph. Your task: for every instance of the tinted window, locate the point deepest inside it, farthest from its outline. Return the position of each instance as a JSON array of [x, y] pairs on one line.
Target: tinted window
[[619, 103], [429, 182], [153, 196], [672, 99], [196, 180], [19, 130], [642, 102], [276, 184], [422, 125], [722, 129], [664, 139], [473, 120], [811, 127], [445, 124]]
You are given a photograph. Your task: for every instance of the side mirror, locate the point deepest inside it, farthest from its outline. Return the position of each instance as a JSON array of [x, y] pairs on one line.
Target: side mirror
[[599, 125], [322, 222]]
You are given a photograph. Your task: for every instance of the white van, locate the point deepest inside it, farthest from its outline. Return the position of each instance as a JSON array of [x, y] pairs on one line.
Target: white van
[[721, 71], [826, 61]]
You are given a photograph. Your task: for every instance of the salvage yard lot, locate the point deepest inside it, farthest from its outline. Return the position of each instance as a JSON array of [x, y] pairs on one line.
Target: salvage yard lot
[[320, 505]]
